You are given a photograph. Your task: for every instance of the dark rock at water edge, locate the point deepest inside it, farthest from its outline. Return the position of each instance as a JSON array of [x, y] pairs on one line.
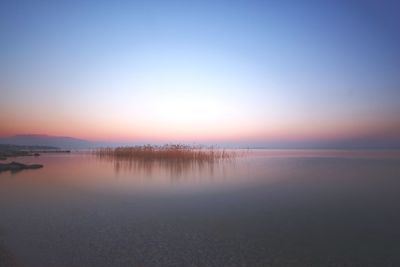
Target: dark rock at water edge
[[16, 166]]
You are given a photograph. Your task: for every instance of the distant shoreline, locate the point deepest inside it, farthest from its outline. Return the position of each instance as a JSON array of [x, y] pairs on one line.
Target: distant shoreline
[[8, 151], [12, 151]]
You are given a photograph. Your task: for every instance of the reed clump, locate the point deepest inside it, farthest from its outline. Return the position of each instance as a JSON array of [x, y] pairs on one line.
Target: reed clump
[[165, 153]]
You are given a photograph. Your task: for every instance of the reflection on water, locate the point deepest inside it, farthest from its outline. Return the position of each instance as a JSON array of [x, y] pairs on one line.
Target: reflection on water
[[286, 208], [255, 166], [180, 169], [172, 168], [173, 161], [85, 169]]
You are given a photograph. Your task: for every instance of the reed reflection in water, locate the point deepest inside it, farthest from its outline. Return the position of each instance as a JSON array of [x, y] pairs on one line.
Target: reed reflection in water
[[173, 161]]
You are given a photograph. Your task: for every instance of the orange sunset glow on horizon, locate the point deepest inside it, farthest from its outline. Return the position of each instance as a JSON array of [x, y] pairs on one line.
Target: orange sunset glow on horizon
[[183, 82]]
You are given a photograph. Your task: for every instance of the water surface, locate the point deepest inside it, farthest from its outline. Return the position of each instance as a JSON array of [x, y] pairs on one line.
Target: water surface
[[264, 208]]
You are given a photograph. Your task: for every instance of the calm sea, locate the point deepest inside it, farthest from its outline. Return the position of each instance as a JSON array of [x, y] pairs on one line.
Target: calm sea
[[262, 208]]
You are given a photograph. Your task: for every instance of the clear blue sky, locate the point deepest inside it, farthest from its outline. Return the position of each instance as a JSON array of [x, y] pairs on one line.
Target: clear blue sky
[[234, 71]]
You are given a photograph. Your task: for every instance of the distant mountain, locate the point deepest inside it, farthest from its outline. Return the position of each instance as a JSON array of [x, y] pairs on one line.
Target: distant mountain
[[46, 140]]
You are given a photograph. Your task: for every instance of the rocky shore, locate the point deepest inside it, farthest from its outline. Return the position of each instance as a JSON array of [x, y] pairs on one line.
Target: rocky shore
[[15, 166]]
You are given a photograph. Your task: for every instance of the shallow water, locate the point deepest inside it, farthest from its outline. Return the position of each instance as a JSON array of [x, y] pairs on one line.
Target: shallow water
[[264, 208]]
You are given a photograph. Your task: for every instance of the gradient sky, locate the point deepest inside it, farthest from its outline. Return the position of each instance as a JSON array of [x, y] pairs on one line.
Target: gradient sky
[[237, 71]]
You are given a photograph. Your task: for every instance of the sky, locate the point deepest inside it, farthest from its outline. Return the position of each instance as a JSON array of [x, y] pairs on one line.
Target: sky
[[248, 72]]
